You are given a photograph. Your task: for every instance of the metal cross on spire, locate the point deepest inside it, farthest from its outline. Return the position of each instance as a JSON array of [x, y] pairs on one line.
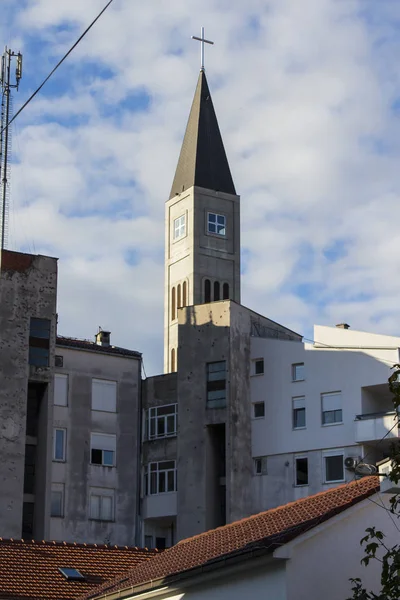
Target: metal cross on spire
[[202, 41]]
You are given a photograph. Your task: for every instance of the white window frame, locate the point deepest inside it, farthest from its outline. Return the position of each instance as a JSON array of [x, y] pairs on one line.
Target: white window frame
[[94, 446], [294, 371], [180, 227], [216, 224], [57, 488], [153, 468], [64, 444], [296, 458], [99, 404], [253, 367], [101, 494], [254, 410], [299, 403], [156, 421], [327, 454], [326, 395], [61, 391]]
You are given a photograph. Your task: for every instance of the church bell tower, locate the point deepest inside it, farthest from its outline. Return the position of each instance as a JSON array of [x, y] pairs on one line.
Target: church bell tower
[[202, 223]]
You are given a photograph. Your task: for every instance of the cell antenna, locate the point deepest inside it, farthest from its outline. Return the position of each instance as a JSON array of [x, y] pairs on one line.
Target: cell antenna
[[7, 83]]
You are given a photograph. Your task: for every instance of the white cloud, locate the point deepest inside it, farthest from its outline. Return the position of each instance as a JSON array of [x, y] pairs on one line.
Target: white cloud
[[303, 93]]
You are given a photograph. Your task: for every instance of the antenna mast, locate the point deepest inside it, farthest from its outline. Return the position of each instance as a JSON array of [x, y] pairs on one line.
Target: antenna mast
[[5, 136]]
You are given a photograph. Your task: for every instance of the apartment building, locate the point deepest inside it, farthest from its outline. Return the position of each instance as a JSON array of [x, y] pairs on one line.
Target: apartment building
[[96, 433]]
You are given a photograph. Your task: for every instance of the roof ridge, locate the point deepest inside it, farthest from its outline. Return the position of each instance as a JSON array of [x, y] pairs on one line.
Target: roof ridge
[[75, 544]]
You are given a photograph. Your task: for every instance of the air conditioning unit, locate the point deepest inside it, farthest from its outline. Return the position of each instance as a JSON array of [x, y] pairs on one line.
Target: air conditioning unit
[[351, 462]]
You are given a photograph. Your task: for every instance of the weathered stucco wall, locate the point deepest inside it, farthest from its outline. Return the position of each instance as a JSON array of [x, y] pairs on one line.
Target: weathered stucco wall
[[77, 473], [28, 288]]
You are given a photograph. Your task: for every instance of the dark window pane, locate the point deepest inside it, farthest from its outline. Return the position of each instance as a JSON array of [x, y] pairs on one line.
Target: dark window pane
[[166, 410], [334, 468], [216, 290], [160, 426], [301, 471], [170, 481], [166, 464], [39, 357], [27, 520], [225, 292], [39, 328], [259, 410], [161, 543], [259, 367], [299, 417], [56, 504], [59, 444], [97, 456], [207, 291], [171, 424], [108, 458], [153, 483], [161, 482], [258, 466]]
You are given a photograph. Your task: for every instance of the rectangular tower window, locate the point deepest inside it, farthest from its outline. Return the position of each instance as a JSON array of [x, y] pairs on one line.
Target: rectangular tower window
[[39, 342], [103, 447], [216, 223], [216, 384], [299, 412], [104, 395], [179, 227], [59, 443], [331, 408]]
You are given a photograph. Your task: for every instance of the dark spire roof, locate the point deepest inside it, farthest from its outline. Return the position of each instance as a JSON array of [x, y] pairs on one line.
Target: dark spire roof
[[202, 160]]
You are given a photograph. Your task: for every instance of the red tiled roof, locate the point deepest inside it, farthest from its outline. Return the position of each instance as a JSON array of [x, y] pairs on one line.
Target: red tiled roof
[[92, 346], [263, 531], [29, 570]]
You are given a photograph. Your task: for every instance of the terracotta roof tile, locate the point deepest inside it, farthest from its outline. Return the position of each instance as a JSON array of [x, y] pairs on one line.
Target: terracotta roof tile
[[29, 569], [264, 531]]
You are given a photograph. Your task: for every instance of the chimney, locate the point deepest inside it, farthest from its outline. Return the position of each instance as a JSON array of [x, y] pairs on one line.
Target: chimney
[[343, 326], [102, 338]]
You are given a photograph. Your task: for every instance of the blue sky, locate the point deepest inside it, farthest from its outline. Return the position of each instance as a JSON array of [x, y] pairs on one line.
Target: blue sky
[[307, 96]]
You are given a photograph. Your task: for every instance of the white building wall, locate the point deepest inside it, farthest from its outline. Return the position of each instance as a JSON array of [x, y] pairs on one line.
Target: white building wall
[[360, 375], [321, 565]]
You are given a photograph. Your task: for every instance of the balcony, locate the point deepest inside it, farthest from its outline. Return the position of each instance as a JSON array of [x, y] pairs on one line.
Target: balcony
[[376, 426], [160, 505]]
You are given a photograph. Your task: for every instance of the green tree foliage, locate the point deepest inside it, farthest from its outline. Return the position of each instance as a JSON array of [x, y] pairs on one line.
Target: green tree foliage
[[374, 541]]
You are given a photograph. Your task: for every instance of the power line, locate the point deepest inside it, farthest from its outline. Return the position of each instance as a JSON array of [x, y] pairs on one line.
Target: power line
[[56, 67]]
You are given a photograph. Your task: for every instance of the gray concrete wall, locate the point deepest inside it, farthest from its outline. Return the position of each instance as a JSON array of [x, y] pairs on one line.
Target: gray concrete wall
[[28, 288], [78, 474], [210, 333]]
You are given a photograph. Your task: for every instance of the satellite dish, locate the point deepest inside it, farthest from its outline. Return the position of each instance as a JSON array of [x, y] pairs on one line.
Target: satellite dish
[[365, 469]]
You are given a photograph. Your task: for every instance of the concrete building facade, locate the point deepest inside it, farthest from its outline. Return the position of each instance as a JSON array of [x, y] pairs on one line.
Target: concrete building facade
[[96, 432], [28, 293]]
